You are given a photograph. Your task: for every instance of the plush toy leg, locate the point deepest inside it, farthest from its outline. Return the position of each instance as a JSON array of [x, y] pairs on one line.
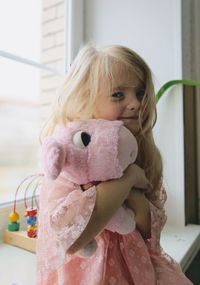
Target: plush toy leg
[[122, 221], [88, 250]]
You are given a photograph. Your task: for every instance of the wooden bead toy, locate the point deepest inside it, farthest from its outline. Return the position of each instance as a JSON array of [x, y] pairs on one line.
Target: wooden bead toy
[[31, 212]]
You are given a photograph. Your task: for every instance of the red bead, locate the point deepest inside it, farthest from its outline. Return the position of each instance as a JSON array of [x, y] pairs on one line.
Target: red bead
[[32, 233], [31, 212]]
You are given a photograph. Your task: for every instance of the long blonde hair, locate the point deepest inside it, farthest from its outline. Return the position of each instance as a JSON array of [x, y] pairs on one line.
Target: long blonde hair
[[78, 94]]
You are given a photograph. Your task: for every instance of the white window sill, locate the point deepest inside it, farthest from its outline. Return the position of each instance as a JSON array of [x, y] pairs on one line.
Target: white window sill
[[18, 266], [180, 243]]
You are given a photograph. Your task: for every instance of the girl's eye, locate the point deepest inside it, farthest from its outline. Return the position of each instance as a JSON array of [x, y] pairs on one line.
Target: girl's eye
[[140, 94], [118, 95]]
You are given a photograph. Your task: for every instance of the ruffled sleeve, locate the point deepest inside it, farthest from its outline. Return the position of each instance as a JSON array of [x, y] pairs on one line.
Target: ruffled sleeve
[[158, 216], [65, 211], [70, 215]]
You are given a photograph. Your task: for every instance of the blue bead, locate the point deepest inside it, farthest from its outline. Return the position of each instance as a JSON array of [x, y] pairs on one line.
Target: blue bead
[[31, 220]]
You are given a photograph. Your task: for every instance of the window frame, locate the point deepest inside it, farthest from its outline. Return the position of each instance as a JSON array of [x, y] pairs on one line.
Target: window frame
[[74, 24]]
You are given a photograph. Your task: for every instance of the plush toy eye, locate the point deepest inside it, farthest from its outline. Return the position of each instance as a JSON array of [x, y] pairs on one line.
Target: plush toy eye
[[81, 139]]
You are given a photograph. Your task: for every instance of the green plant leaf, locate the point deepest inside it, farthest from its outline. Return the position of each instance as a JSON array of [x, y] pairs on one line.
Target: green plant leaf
[[169, 84]]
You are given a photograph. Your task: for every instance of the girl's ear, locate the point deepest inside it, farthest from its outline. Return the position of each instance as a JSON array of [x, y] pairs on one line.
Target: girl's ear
[[53, 158]]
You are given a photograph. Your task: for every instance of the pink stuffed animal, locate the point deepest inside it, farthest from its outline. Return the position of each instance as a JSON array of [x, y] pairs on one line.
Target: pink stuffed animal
[[92, 150]]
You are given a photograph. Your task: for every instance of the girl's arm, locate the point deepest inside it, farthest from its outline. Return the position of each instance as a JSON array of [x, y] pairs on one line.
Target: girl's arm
[[140, 206], [110, 196]]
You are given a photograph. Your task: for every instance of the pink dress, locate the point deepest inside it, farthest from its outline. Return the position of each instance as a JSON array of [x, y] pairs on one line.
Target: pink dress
[[119, 259]]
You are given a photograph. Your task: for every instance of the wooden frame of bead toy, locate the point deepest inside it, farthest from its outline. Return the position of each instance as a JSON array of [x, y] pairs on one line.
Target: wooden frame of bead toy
[[25, 239]]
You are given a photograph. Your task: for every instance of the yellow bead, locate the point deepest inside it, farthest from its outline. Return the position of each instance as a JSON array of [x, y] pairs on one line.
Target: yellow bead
[[32, 227], [13, 217]]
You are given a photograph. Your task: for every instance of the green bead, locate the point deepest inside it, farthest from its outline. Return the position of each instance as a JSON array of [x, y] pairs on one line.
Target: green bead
[[13, 227]]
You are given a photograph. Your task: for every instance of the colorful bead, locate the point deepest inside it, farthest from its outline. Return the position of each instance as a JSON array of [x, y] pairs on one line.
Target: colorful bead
[[13, 227], [34, 227], [13, 217], [31, 220], [31, 212], [32, 233]]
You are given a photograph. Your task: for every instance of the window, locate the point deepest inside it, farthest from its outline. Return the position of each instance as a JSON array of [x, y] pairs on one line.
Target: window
[[31, 62]]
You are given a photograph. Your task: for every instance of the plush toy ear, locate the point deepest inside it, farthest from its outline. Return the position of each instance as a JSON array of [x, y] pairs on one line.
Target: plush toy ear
[[53, 158]]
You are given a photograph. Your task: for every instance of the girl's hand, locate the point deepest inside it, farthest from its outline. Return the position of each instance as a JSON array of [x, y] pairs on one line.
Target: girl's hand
[[139, 204], [136, 175]]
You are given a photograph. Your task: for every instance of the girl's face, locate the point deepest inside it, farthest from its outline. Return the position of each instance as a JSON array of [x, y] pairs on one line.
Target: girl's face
[[123, 103]]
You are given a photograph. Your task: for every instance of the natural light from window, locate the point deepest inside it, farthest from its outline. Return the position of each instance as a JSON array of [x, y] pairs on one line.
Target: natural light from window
[[20, 24]]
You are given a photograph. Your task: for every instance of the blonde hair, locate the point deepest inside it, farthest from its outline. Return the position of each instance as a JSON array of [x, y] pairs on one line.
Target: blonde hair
[[78, 94]]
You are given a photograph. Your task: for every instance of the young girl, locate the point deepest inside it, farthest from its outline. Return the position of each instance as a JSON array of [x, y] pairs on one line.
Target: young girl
[[111, 83]]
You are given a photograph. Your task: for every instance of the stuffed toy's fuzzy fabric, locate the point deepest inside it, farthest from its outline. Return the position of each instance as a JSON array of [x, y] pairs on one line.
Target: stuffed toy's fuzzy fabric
[[92, 150]]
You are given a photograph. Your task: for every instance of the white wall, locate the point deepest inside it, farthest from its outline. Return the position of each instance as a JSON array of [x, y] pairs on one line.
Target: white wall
[[153, 29]]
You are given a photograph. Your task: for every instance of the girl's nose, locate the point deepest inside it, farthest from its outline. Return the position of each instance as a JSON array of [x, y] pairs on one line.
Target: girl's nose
[[134, 104]]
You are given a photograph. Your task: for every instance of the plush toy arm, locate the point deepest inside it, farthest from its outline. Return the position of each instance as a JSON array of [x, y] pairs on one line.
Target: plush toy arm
[[122, 221], [53, 158]]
